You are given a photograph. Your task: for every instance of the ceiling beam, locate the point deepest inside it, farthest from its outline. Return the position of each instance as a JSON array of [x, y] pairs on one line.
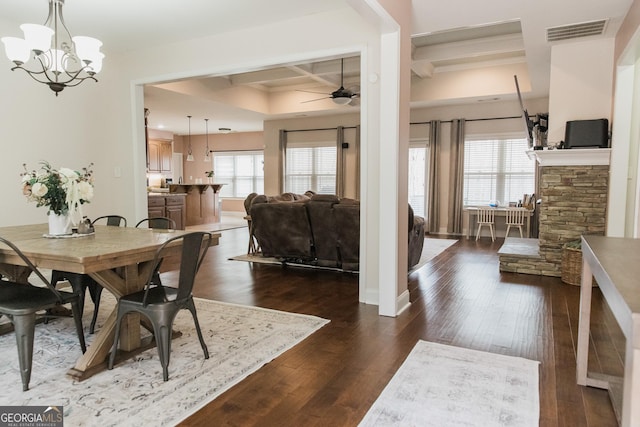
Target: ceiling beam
[[469, 48]]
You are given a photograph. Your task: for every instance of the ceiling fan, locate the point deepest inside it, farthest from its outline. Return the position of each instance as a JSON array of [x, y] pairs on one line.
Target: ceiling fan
[[340, 96]]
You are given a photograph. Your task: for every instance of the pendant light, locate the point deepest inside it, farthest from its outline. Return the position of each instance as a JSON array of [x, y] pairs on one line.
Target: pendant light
[[190, 152], [207, 157]]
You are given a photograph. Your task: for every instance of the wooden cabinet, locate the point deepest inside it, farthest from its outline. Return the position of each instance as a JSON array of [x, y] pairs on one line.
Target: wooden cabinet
[[176, 210], [171, 206], [202, 201], [160, 156]]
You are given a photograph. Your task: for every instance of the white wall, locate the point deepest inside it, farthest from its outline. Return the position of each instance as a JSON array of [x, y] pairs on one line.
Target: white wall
[[71, 130], [581, 86], [623, 209]]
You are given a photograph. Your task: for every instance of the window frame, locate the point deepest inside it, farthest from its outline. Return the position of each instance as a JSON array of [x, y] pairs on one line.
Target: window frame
[[501, 173], [255, 178], [314, 177]]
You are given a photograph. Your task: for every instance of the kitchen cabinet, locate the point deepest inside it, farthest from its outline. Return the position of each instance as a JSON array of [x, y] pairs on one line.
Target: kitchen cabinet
[[160, 156], [171, 206]]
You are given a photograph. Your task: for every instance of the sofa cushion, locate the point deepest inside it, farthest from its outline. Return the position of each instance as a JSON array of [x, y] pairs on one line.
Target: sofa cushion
[[347, 218], [283, 230], [323, 228]]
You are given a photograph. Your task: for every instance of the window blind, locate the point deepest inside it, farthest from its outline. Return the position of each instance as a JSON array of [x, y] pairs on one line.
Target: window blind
[[311, 166], [497, 170], [242, 172]]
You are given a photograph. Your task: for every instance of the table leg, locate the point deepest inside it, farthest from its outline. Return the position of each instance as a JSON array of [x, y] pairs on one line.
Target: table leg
[[582, 356], [129, 279], [631, 386]]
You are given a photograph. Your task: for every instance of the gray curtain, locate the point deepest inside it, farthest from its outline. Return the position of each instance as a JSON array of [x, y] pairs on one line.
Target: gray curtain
[[433, 208], [282, 159], [456, 177]]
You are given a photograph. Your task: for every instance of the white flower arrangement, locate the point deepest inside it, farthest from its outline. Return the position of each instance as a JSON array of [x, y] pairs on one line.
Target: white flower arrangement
[[63, 191]]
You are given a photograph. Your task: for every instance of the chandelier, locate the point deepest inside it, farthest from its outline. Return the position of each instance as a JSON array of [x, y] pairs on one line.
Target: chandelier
[[51, 56]]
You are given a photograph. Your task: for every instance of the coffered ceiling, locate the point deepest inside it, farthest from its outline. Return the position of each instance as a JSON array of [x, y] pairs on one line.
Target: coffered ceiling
[[449, 37]]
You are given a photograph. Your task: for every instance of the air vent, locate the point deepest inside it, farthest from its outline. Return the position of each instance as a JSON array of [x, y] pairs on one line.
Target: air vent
[[565, 32]]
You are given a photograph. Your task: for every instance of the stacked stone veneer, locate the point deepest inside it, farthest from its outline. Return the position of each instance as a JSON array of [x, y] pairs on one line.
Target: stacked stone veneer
[[574, 202]]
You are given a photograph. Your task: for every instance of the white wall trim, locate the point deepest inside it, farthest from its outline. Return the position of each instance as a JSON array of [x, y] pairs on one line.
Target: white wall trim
[[403, 302]]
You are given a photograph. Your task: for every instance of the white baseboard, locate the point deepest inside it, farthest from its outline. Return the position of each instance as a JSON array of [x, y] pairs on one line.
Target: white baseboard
[[403, 302]]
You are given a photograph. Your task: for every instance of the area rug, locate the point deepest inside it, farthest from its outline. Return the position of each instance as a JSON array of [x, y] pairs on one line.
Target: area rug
[[431, 249], [240, 340], [441, 386]]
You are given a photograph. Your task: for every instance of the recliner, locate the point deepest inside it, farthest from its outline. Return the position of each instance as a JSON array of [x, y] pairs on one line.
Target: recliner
[[323, 230]]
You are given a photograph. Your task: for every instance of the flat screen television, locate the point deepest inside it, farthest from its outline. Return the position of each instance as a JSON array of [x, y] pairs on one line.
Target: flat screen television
[[587, 134]]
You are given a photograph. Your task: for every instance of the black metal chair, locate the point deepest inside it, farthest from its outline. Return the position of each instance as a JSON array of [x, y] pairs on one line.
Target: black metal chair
[[112, 220], [81, 282], [160, 304], [159, 222], [21, 301]]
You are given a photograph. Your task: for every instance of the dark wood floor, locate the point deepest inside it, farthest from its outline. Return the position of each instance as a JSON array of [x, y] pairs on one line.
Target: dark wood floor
[[460, 298]]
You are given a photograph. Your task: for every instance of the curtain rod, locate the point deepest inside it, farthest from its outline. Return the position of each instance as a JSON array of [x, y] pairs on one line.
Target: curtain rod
[[470, 120], [312, 130]]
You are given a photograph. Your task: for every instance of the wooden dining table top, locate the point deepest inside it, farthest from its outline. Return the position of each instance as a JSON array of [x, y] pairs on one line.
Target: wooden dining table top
[[108, 247]]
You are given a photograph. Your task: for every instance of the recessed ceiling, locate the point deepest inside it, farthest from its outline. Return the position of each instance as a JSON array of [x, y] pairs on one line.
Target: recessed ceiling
[[468, 47]]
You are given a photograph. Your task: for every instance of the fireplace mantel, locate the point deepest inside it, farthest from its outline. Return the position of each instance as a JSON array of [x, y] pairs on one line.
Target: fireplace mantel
[[571, 157]]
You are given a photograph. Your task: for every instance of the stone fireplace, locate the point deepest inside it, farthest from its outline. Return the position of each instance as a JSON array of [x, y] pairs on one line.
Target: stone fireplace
[[573, 189]]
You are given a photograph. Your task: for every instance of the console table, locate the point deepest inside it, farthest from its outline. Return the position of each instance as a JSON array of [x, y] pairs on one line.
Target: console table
[[615, 263]]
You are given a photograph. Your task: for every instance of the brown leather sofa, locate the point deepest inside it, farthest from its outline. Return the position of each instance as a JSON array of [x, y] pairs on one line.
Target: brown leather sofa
[[320, 229]]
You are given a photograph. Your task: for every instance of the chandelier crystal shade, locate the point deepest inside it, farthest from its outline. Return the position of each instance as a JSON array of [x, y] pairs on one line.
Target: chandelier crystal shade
[[50, 55], [207, 156], [190, 152]]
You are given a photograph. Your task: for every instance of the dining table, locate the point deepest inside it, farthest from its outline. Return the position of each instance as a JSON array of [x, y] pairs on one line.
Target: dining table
[[119, 258]]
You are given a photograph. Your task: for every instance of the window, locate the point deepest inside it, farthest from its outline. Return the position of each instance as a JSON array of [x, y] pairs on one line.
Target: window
[[497, 170], [418, 179], [242, 172], [311, 167]]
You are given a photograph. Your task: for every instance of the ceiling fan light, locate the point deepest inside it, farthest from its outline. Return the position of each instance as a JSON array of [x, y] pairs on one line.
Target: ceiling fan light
[[342, 100]]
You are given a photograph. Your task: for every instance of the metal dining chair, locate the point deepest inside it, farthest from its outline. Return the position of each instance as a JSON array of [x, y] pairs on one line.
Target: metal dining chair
[[515, 217], [159, 222], [21, 301], [81, 282], [112, 220], [486, 217], [160, 304]]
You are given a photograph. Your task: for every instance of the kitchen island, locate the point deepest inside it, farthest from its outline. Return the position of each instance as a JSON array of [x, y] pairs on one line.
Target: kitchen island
[[202, 202]]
